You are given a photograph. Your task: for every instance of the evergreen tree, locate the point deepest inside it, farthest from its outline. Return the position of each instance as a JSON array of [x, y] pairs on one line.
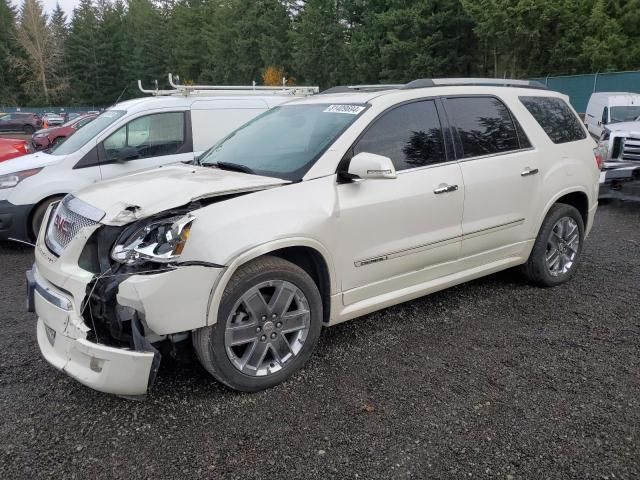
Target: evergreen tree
[[59, 33], [82, 54], [9, 88], [320, 54], [605, 42], [37, 68]]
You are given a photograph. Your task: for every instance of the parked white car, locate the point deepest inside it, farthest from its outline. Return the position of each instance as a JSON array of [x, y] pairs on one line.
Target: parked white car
[[53, 119], [317, 212], [606, 108], [128, 137]]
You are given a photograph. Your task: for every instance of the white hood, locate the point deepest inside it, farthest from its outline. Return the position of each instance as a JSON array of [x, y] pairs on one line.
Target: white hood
[[628, 127], [132, 197], [27, 162]]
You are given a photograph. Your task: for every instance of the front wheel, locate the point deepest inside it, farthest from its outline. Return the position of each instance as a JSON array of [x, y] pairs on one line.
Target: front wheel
[[557, 248], [268, 324]]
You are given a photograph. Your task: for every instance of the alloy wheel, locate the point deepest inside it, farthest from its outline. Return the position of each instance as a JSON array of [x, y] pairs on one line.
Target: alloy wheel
[[562, 246], [267, 327]]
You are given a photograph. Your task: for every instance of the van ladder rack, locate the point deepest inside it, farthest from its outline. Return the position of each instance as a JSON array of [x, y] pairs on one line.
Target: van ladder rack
[[205, 90]]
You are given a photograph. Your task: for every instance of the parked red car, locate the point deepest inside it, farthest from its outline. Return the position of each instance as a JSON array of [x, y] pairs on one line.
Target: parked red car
[[49, 137], [13, 147]]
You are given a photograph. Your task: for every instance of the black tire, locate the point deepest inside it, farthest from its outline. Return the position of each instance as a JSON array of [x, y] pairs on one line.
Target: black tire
[[28, 129], [209, 342], [38, 215], [536, 269]]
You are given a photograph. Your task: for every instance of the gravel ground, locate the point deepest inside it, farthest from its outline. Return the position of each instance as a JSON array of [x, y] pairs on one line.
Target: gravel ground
[[492, 379]]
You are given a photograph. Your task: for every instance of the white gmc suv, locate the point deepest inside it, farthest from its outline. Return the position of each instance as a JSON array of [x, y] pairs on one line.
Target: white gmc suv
[[316, 212]]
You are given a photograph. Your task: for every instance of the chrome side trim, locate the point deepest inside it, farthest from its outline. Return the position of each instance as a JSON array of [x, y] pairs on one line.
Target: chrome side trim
[[496, 228], [438, 243], [497, 154], [53, 297]]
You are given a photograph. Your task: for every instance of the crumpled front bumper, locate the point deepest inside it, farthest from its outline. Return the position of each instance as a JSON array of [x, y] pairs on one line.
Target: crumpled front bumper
[[101, 367]]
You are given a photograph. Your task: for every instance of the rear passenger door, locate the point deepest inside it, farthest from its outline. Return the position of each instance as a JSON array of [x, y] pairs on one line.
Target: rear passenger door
[[501, 178], [146, 141], [406, 231]]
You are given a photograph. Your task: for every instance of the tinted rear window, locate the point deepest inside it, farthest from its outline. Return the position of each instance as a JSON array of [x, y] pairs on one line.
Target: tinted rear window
[[556, 118], [484, 125]]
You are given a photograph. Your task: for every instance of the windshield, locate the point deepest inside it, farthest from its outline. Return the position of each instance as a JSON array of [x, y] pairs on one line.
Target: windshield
[[285, 141], [628, 113], [86, 133]]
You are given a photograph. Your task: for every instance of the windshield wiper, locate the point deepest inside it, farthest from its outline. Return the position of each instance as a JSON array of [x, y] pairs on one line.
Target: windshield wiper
[[235, 167]]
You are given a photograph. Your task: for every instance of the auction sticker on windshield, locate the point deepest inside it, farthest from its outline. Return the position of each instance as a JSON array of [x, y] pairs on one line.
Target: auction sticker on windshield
[[349, 109]]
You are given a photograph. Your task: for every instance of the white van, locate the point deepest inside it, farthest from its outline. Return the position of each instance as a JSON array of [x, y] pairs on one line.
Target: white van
[[128, 137], [605, 108]]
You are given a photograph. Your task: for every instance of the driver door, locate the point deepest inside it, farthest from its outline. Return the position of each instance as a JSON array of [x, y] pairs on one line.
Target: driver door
[[399, 233], [145, 142]]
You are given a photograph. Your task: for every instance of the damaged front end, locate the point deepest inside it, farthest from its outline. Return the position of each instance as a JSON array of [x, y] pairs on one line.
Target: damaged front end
[[115, 255], [112, 301]]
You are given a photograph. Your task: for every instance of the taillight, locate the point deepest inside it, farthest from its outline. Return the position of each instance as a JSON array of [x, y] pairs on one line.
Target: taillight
[[21, 147], [599, 154]]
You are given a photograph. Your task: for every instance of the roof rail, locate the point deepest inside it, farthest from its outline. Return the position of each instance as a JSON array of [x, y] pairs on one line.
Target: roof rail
[[186, 90], [487, 82], [362, 88]]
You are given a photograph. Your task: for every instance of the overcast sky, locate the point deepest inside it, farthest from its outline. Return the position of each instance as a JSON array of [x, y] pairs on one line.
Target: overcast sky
[[49, 5]]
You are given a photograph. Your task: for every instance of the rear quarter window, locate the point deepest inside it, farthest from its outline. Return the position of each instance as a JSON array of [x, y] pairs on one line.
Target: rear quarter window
[[556, 118]]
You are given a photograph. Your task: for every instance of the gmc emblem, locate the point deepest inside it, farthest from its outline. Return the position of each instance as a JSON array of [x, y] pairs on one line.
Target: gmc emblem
[[63, 225]]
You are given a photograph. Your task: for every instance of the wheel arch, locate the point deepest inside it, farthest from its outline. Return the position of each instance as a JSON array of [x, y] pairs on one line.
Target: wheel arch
[[576, 197], [309, 254]]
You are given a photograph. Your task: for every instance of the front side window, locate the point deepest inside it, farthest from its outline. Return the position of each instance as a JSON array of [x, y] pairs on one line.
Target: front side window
[[79, 139], [556, 118], [150, 136], [285, 141], [410, 135], [484, 125]]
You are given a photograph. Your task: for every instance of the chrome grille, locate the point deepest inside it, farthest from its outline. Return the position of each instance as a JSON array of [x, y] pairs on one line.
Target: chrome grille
[[631, 149], [64, 225]]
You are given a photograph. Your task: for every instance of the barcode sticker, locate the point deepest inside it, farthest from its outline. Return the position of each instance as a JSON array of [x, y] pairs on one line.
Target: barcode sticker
[[349, 109]]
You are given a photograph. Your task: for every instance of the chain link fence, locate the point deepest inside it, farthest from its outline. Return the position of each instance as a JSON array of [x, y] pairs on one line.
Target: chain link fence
[[580, 87]]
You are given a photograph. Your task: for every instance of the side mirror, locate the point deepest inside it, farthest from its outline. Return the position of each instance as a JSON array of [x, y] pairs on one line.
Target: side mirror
[[369, 166]]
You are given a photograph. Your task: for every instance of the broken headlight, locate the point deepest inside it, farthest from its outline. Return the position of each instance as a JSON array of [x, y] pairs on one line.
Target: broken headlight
[[157, 240]]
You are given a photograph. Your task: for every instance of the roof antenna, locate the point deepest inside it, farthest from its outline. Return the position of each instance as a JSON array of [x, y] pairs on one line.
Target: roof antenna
[[120, 96]]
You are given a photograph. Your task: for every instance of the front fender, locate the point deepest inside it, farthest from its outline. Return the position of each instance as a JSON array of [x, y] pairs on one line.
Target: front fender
[[255, 252]]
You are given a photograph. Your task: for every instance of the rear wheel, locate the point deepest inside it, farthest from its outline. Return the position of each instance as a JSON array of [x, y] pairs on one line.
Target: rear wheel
[[28, 130], [557, 248], [38, 215], [269, 321]]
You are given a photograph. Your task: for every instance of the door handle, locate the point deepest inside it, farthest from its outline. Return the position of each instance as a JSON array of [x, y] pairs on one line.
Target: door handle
[[444, 188], [529, 171]]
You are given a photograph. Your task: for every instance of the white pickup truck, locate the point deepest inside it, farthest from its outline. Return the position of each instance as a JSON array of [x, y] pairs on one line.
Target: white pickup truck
[[620, 176]]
